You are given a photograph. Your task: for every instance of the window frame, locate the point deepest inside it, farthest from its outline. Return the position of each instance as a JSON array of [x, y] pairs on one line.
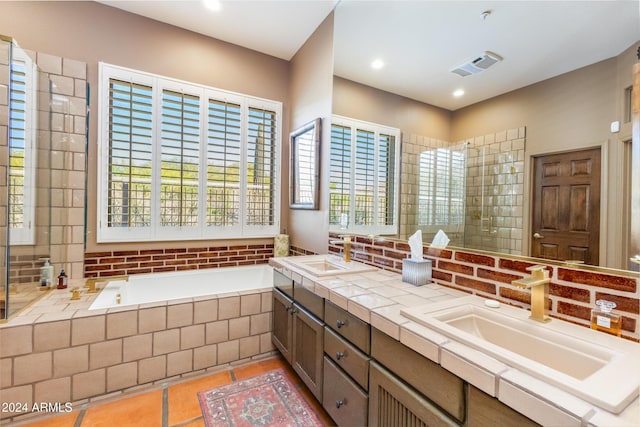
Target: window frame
[[25, 235], [201, 231], [377, 130]]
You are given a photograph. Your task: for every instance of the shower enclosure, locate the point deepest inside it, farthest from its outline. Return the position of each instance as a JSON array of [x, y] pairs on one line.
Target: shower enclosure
[[25, 177]]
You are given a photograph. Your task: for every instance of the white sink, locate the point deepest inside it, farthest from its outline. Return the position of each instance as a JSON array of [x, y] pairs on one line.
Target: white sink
[[598, 368], [327, 265]]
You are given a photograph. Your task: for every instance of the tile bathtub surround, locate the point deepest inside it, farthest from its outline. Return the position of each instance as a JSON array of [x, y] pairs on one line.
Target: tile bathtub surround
[[59, 351], [572, 292], [140, 261]]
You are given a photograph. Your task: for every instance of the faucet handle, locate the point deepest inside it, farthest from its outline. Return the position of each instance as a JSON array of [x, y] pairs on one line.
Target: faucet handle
[[539, 271]]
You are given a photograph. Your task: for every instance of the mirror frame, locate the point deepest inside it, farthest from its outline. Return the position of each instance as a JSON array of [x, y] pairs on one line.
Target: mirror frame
[[311, 131]]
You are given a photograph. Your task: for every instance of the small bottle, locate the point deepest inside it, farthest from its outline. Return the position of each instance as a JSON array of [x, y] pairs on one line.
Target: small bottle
[[603, 319], [62, 279], [46, 273]]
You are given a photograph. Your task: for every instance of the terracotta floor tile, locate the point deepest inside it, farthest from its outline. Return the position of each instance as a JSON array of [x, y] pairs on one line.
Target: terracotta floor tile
[[65, 420], [316, 406], [140, 410], [195, 423], [183, 397]]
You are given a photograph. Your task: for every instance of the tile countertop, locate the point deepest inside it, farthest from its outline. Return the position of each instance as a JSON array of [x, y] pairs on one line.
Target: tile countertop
[[377, 297]]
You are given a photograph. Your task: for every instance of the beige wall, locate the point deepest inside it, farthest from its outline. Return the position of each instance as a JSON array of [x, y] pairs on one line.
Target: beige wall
[[357, 101], [92, 32], [311, 91]]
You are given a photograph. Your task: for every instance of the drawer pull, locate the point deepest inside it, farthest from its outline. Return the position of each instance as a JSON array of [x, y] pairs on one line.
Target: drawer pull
[[340, 323], [339, 355], [340, 403]]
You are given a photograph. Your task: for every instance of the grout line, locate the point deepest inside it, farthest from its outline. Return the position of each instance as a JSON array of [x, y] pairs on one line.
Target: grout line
[[80, 416], [184, 423], [165, 405], [233, 375]]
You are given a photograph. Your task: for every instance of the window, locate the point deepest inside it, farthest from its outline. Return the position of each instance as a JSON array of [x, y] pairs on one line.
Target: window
[[181, 161], [22, 150], [442, 188], [363, 177]]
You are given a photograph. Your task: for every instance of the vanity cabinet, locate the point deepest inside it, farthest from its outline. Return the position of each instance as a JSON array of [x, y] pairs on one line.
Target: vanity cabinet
[[393, 403], [298, 335], [487, 411], [440, 386]]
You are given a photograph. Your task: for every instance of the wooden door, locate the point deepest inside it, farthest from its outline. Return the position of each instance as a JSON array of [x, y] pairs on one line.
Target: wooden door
[[566, 207], [282, 335], [308, 339]]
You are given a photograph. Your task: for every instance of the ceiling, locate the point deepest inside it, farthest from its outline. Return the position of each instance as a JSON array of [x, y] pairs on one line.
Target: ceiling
[[420, 41]]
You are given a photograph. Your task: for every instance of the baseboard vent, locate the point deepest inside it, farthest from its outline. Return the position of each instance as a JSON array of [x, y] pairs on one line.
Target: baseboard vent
[[477, 65]]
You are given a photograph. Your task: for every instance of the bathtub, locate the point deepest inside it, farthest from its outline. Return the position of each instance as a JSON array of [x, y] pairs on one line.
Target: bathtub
[[155, 287]]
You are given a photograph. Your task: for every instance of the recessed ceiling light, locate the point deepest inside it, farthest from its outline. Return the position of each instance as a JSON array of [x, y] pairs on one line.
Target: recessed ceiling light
[[213, 5], [458, 93], [377, 64]]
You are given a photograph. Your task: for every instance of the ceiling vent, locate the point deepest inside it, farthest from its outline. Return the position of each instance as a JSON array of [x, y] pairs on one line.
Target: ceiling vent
[[477, 64]]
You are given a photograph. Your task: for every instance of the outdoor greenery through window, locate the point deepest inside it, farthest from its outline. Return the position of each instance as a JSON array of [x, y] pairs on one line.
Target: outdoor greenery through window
[[22, 99], [363, 177], [185, 161], [441, 191]]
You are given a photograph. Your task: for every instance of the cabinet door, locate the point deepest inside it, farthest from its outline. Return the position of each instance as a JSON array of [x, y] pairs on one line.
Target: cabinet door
[[282, 335], [308, 350], [393, 403], [343, 400]]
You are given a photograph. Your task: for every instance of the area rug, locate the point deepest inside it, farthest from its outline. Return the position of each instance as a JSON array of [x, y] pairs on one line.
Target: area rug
[[264, 400]]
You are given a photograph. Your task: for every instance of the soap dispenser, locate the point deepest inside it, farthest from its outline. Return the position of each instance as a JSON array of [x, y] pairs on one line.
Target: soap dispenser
[[46, 273], [603, 319]]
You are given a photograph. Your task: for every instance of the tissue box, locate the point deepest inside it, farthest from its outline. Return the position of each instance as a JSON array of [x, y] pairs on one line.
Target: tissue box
[[417, 273]]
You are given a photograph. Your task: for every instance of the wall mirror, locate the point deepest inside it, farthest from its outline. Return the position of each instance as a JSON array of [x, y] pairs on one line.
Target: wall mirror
[[569, 112], [305, 166]]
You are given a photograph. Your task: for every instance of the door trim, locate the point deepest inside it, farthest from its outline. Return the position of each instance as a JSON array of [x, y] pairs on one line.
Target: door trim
[[604, 195]]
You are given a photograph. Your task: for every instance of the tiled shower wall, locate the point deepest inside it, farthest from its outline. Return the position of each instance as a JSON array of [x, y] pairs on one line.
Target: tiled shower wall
[[572, 293], [495, 192]]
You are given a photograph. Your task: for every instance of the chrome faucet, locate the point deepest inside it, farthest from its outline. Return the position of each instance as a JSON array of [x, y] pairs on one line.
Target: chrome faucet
[[346, 247], [538, 282]]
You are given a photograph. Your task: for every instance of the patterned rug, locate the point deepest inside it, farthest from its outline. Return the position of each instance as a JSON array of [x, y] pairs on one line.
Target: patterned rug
[[263, 400]]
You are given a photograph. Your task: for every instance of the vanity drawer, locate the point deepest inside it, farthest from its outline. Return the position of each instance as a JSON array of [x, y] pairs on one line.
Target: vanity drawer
[[312, 302], [343, 400], [282, 282], [348, 326], [353, 361]]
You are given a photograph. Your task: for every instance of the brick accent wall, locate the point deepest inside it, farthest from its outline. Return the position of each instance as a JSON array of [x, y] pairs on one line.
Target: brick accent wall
[[139, 261], [572, 292], [294, 250]]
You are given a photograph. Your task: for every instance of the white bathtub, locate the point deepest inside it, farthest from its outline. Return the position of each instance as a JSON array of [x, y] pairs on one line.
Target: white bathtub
[[146, 288]]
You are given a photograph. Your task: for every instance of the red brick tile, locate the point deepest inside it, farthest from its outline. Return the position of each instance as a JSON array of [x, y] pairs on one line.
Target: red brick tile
[[440, 275], [151, 251], [629, 324], [476, 284], [163, 269], [475, 259], [125, 265], [152, 264], [186, 267], [175, 251], [113, 273], [401, 246], [395, 254], [574, 310], [97, 254], [437, 252], [111, 260], [455, 267], [139, 258], [600, 280], [497, 276], [511, 264], [125, 253], [163, 257], [139, 271], [384, 262], [582, 295]]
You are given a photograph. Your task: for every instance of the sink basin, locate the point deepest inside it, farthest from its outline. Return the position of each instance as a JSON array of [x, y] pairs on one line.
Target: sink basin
[[598, 368], [327, 265]]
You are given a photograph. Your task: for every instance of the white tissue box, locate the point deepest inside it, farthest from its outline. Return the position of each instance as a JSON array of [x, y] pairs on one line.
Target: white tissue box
[[417, 273]]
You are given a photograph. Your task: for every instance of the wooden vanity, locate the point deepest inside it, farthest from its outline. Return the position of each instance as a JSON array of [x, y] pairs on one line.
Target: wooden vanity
[[364, 377]]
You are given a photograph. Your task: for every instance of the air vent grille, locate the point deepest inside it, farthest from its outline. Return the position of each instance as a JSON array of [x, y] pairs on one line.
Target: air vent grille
[[477, 65]]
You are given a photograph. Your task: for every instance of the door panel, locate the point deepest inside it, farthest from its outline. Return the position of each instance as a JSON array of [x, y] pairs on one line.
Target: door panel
[[282, 324], [308, 350], [566, 206]]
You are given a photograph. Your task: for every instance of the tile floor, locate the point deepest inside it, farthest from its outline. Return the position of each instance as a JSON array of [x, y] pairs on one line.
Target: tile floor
[[170, 404]]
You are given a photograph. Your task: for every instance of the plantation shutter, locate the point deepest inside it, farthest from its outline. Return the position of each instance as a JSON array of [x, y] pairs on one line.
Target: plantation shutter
[[130, 154], [339, 173], [364, 174], [18, 145], [180, 159], [261, 167], [223, 164]]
